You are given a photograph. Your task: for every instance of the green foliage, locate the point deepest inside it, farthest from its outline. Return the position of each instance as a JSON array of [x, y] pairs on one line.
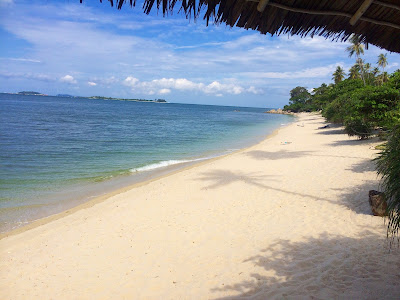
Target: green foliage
[[361, 108], [369, 106], [356, 48], [354, 72], [338, 75], [394, 80], [382, 61], [388, 166], [339, 100], [299, 95], [356, 126], [299, 100]]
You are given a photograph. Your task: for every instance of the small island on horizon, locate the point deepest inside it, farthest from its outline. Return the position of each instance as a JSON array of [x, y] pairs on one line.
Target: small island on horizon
[[33, 93]]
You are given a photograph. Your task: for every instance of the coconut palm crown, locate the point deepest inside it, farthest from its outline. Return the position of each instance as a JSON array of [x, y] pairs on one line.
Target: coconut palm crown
[[357, 49], [338, 75], [382, 61]]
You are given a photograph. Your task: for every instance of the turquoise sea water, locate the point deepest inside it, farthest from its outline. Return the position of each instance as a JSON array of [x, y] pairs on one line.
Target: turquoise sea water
[[57, 152]]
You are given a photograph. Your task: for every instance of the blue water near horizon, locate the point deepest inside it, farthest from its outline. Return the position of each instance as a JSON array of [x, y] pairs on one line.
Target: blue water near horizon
[[55, 151]]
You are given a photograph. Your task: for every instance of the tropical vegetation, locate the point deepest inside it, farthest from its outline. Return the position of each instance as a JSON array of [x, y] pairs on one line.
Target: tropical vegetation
[[367, 103]]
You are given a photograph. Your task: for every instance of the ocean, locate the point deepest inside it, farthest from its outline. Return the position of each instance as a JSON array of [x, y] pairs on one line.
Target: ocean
[[56, 152]]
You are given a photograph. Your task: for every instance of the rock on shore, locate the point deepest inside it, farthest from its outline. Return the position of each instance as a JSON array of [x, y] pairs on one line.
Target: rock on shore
[[279, 111]]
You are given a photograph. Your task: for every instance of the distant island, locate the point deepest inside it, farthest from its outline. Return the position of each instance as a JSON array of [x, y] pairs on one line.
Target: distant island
[[124, 99], [65, 96], [32, 93]]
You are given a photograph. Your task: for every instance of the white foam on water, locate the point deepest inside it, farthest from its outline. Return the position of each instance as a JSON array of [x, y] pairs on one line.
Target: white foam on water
[[165, 163]]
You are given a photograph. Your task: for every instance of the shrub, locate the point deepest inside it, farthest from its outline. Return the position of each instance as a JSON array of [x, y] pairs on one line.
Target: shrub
[[356, 126], [388, 166]]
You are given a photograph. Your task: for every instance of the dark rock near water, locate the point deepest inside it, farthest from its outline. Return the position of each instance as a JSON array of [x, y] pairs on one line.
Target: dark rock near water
[[378, 203], [279, 111]]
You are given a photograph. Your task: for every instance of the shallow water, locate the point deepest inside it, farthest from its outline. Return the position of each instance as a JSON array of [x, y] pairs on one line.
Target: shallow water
[[56, 152]]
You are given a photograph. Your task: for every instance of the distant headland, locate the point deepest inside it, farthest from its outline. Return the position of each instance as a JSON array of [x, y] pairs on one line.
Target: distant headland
[[124, 99], [32, 93], [29, 93]]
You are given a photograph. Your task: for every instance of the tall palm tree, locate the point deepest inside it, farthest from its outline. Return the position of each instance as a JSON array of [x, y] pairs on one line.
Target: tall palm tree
[[375, 75], [338, 75], [356, 48], [354, 72], [382, 62], [375, 71], [367, 72]]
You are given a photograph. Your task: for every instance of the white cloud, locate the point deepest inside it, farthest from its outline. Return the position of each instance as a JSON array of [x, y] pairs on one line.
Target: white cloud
[[166, 85], [107, 81], [255, 91], [212, 44], [34, 76], [92, 83], [23, 59], [316, 72], [130, 81], [164, 91], [393, 66], [68, 79]]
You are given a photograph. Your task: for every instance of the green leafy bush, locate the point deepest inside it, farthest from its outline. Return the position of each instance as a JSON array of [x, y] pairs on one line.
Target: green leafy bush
[[388, 166], [358, 127]]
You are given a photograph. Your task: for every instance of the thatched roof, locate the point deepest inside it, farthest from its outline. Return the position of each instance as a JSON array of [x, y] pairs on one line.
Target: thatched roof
[[377, 22]]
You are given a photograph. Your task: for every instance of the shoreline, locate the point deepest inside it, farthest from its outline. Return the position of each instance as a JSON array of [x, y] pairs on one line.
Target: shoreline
[[147, 177], [286, 218]]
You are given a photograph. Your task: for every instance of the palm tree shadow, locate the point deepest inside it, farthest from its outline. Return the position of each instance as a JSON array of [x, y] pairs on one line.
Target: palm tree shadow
[[352, 142], [331, 131], [275, 155], [218, 178], [365, 166], [326, 267], [225, 177], [355, 199]]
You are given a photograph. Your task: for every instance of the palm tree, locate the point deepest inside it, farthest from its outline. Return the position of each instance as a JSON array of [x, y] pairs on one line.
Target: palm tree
[[375, 75], [367, 72], [382, 62], [338, 75], [354, 72], [375, 71], [367, 67], [356, 48]]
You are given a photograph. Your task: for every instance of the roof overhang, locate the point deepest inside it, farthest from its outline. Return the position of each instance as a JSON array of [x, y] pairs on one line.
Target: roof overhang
[[376, 22]]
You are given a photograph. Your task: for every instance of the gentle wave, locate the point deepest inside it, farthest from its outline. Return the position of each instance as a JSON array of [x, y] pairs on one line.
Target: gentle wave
[[165, 163]]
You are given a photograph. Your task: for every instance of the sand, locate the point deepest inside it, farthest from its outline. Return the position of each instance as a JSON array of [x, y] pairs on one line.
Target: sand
[[285, 219]]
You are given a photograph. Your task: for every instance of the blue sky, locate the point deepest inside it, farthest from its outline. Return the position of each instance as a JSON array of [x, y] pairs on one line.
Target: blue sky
[[64, 47]]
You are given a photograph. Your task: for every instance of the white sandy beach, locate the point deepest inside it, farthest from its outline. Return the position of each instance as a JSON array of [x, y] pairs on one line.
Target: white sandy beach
[[274, 221]]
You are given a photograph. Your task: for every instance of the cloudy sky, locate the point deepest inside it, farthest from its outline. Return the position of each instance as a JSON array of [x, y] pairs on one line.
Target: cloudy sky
[[64, 47]]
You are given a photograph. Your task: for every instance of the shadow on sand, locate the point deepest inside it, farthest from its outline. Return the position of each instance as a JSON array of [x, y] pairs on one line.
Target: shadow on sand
[[284, 154], [218, 178], [355, 199], [326, 267], [281, 154], [366, 165], [352, 142], [332, 129]]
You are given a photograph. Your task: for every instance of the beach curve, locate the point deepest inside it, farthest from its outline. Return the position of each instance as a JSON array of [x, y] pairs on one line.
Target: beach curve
[[288, 217]]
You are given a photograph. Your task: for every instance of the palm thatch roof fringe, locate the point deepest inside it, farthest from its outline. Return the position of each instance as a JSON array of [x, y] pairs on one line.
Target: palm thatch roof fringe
[[376, 22]]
